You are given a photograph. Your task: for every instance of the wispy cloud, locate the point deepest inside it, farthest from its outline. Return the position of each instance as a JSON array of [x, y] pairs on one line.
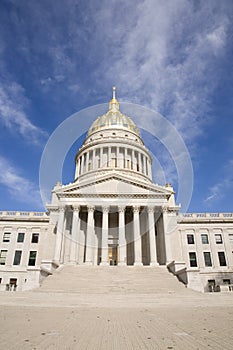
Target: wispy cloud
[[220, 189], [169, 59], [13, 116], [19, 187]]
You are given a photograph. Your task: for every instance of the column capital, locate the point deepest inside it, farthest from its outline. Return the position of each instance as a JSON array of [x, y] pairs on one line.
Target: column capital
[[165, 209], [91, 209], [105, 209], [121, 208], [150, 209], [76, 208], [61, 209], [136, 209]]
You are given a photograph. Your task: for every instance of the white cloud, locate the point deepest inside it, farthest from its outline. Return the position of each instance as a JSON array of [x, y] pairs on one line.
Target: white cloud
[[168, 58], [20, 188], [13, 116], [219, 190]]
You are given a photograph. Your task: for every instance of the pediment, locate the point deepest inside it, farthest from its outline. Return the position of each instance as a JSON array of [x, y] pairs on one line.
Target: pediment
[[113, 184]]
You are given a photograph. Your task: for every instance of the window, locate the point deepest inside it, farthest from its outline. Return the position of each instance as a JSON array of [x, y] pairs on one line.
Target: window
[[204, 239], [32, 258], [222, 259], [20, 238], [192, 259], [127, 164], [207, 258], [6, 237], [231, 238], [3, 257], [226, 281], [35, 237], [190, 239], [218, 238], [17, 257]]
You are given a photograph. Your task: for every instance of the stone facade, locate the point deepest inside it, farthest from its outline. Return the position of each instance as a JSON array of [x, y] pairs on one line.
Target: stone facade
[[113, 214]]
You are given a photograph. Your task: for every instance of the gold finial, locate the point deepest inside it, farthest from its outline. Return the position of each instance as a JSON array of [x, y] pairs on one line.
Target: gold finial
[[113, 92], [114, 104]]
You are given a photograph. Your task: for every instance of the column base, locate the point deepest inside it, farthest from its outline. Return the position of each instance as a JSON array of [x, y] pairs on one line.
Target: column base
[[104, 263], [122, 264], [138, 264], [88, 263], [154, 264]]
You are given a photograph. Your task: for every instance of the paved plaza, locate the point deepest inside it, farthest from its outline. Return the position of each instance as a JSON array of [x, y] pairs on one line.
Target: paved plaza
[[116, 315]]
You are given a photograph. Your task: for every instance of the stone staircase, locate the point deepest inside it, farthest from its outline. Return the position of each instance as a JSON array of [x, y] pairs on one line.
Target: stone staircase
[[112, 280]]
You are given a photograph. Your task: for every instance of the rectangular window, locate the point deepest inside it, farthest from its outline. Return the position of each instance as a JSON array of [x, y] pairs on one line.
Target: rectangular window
[[17, 257], [231, 238], [32, 258], [6, 237], [20, 237], [218, 238], [35, 238], [192, 259], [204, 239], [3, 257], [226, 281], [222, 259], [207, 258], [190, 239]]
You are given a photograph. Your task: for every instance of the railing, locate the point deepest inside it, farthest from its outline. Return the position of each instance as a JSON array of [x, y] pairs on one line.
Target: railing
[[206, 215], [23, 214]]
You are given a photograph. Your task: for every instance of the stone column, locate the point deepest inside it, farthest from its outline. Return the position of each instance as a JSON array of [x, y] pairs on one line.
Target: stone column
[[87, 161], [140, 162], [101, 157], [74, 245], [152, 240], [137, 238], [122, 259], [94, 160], [83, 163], [104, 240], [60, 226], [90, 236], [144, 164]]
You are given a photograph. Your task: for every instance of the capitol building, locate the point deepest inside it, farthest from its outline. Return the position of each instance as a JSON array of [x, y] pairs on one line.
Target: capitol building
[[113, 215]]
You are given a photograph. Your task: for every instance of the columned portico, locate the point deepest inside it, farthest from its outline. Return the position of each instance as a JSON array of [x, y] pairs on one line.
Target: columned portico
[[113, 167]]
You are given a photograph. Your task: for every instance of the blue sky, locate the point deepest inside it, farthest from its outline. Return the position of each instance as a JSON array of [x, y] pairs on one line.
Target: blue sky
[[175, 57]]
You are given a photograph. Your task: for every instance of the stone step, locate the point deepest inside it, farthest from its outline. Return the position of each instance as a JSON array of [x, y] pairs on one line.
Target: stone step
[[109, 279]]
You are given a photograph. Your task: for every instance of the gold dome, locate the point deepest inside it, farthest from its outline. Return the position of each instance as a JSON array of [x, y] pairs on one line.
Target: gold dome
[[113, 119]]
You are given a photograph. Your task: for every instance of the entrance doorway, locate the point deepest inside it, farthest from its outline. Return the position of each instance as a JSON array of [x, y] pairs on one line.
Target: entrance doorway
[[112, 255]]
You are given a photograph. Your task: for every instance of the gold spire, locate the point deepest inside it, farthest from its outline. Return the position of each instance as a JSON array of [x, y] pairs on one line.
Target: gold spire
[[113, 92], [114, 104]]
